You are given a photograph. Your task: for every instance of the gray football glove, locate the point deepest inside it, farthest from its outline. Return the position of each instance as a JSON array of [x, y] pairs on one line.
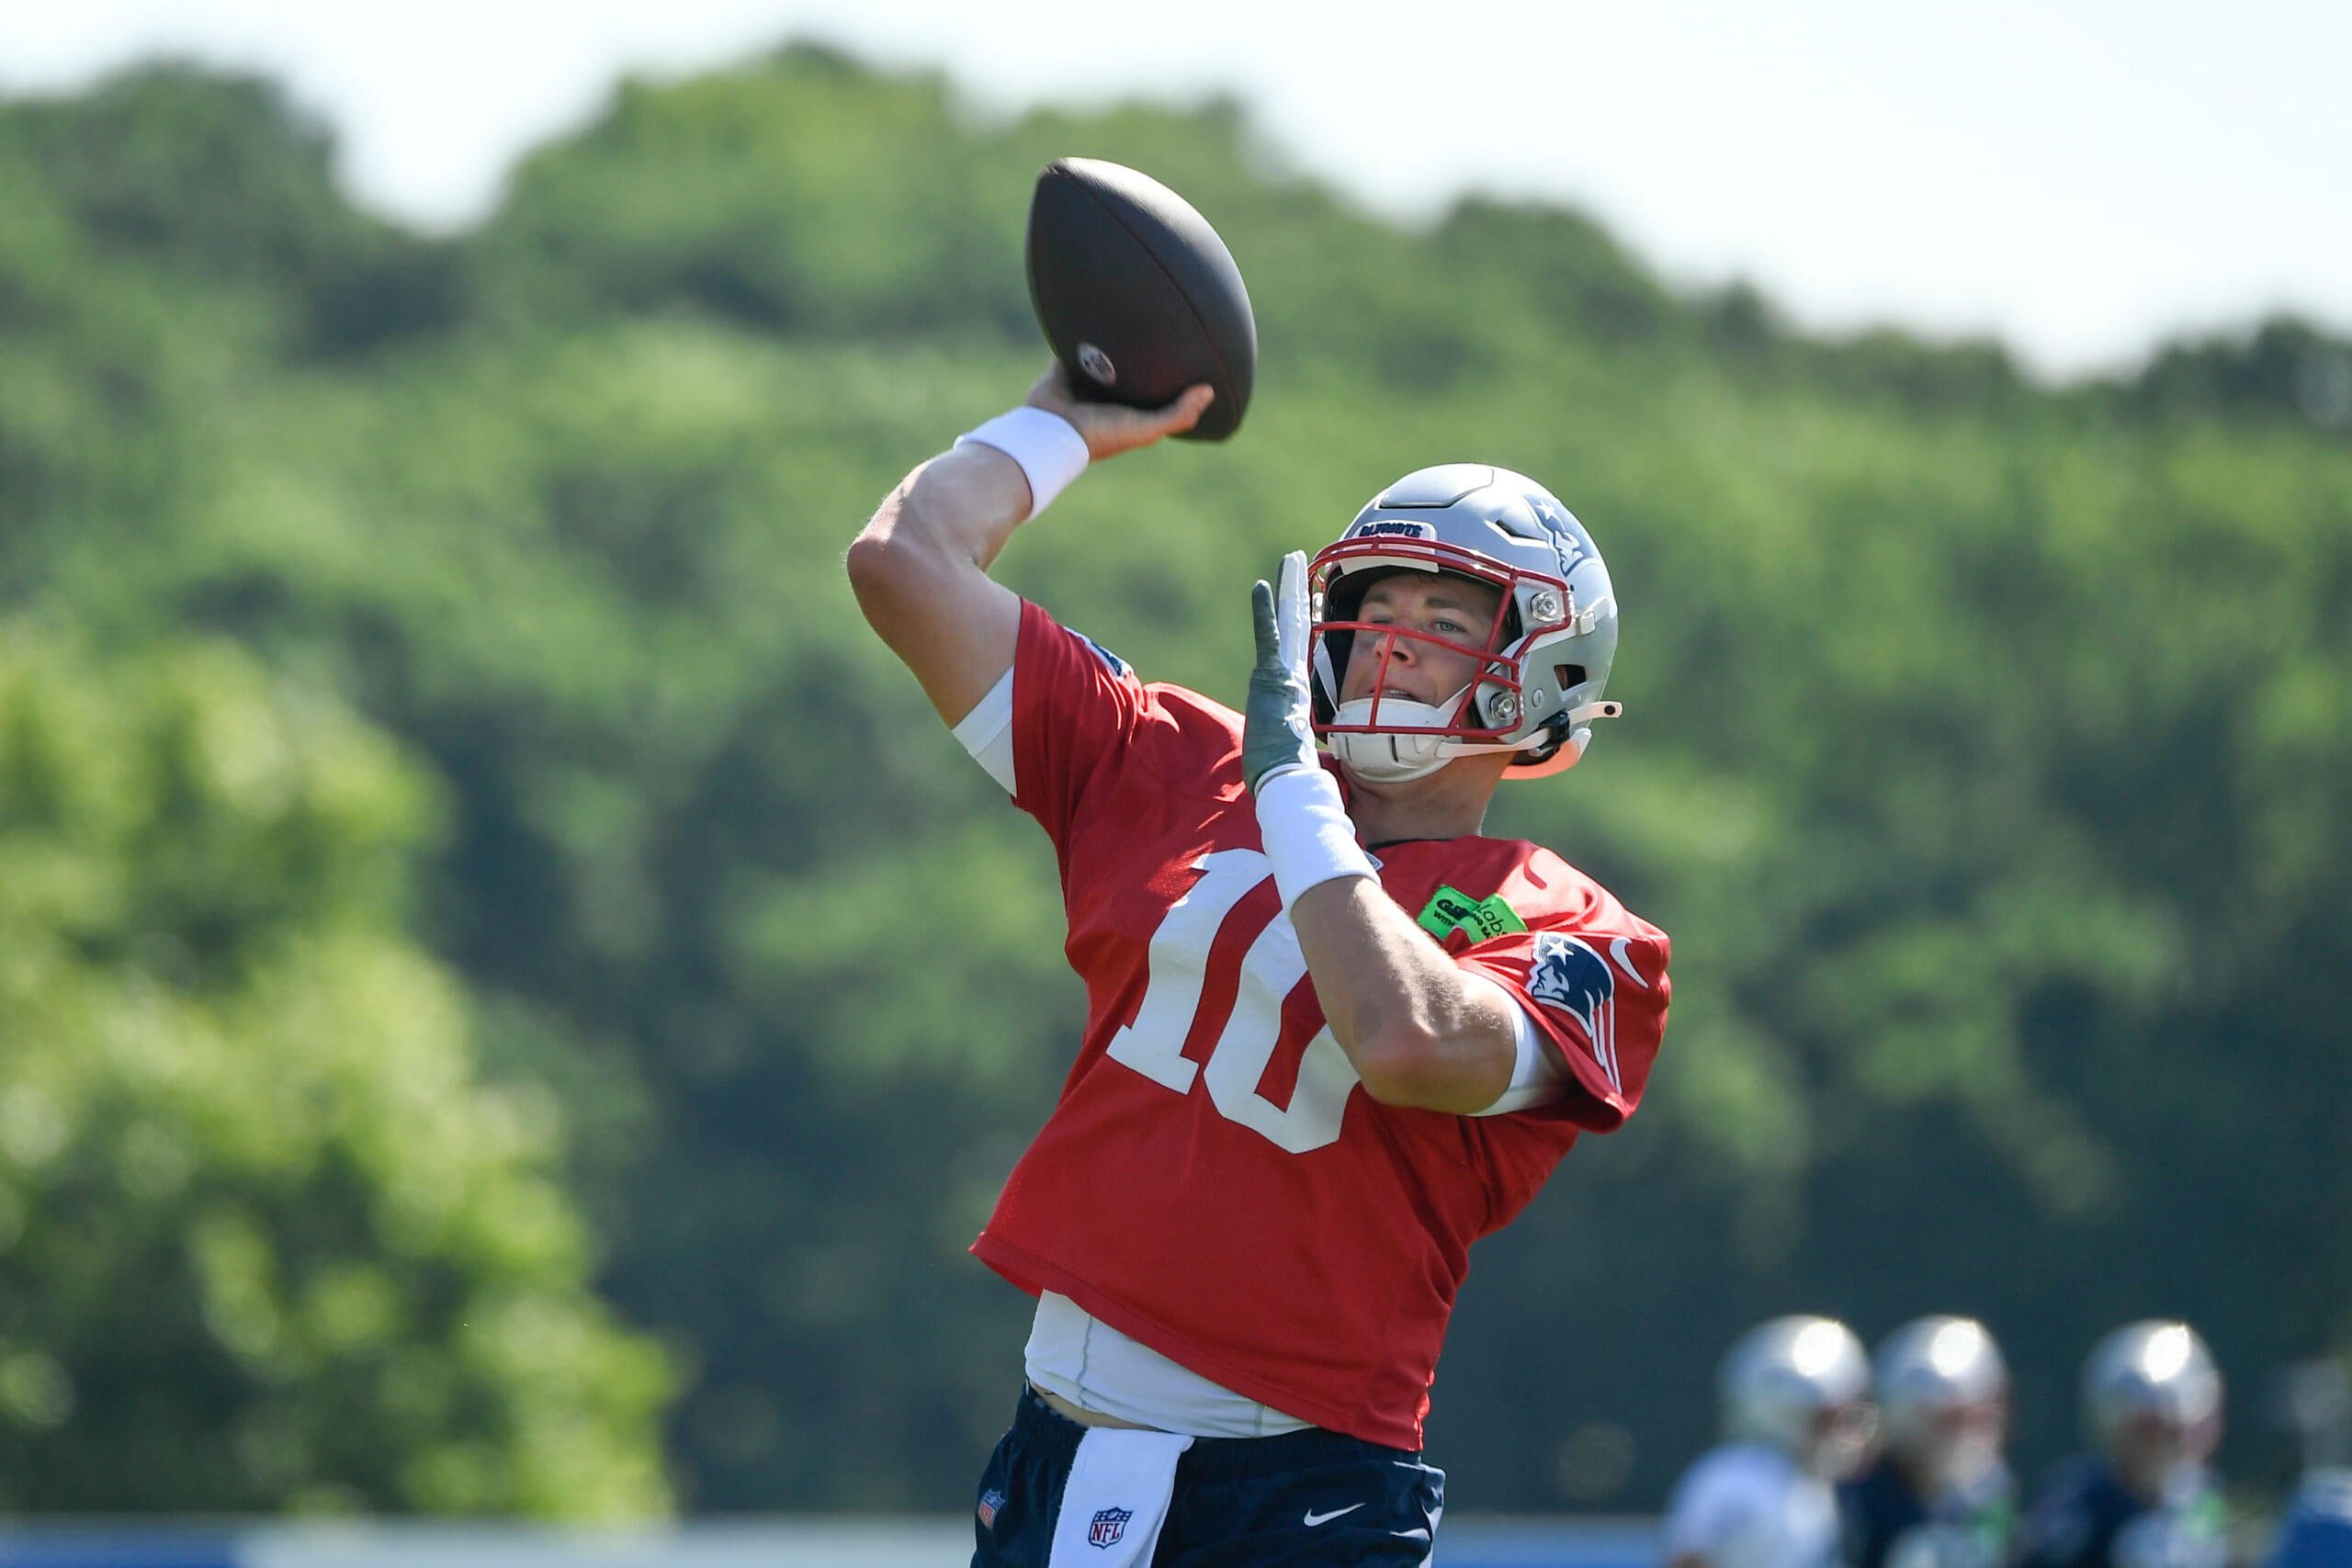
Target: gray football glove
[[1277, 734]]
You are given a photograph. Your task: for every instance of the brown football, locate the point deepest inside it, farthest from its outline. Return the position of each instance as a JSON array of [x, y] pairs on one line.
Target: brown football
[[1137, 295]]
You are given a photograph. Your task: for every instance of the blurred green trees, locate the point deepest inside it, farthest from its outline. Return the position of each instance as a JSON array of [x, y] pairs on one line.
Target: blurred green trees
[[266, 1239], [1987, 756]]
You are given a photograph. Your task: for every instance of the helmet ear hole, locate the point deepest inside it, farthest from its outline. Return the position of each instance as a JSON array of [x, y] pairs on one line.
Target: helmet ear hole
[[1571, 677]]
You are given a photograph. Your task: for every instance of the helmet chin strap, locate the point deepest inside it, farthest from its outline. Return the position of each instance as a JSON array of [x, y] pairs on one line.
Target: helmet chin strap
[[1400, 755], [1404, 753], [1388, 758]]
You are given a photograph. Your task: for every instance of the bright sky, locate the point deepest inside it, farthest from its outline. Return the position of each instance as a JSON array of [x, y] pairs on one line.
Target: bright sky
[[2078, 177]]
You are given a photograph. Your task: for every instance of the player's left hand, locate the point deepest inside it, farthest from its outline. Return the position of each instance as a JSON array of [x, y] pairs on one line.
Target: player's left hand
[[1277, 732]]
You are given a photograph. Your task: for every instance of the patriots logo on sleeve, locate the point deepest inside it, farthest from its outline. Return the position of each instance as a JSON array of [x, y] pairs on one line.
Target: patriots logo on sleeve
[[1569, 975], [1119, 668]]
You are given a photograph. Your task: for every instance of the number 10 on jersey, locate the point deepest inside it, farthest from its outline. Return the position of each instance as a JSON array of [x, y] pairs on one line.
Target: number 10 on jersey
[[1153, 1043]]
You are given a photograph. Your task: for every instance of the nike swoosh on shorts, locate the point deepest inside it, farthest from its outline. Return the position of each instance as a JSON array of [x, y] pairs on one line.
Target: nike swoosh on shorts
[[1314, 1518]]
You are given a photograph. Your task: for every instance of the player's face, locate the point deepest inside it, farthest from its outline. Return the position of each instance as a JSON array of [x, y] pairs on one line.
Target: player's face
[[1457, 609], [2151, 1446], [1840, 1440], [1960, 1447]]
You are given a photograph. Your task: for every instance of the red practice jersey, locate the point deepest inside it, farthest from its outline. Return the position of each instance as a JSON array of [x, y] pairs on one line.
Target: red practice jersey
[[1213, 1181]]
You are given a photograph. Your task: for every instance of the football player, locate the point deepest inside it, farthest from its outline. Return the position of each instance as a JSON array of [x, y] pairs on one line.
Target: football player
[[1940, 1495], [2151, 1403], [1333, 1035], [2317, 1531], [1797, 1418]]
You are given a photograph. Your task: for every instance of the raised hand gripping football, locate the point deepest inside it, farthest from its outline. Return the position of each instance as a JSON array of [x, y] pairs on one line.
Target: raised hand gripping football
[[1277, 730], [1109, 429], [1139, 296]]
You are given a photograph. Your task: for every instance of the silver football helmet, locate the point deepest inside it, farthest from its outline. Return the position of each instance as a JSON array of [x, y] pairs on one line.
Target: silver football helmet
[[1542, 662], [2151, 1396], [1800, 1384], [1943, 1401]]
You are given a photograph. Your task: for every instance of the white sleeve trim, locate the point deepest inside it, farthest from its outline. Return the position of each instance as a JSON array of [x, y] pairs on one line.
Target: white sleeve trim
[[987, 731], [1536, 1074]]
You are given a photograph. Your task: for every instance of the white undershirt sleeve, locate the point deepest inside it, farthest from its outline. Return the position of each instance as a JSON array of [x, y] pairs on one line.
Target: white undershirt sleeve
[[1537, 1072], [986, 732]]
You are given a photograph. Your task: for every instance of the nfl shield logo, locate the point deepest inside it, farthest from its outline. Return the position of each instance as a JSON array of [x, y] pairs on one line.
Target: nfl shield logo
[[1109, 1526], [990, 1501]]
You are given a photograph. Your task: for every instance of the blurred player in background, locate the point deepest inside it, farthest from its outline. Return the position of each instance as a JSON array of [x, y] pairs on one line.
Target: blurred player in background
[[1940, 1495], [2317, 1531], [1333, 1035], [1796, 1419], [2151, 1403]]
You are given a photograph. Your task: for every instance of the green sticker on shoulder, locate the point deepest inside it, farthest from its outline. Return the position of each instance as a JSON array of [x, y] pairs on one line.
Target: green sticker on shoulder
[[1452, 909]]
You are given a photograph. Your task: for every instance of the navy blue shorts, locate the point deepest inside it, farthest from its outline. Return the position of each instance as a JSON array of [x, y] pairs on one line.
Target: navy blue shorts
[[1310, 1497]]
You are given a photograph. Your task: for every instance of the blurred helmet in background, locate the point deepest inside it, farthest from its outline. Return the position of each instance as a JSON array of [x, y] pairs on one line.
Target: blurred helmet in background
[[2152, 1399], [1543, 659], [1943, 1402], [1800, 1384]]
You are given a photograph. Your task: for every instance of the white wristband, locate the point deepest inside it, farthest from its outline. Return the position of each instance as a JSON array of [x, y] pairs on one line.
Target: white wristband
[[1049, 447], [1307, 833]]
